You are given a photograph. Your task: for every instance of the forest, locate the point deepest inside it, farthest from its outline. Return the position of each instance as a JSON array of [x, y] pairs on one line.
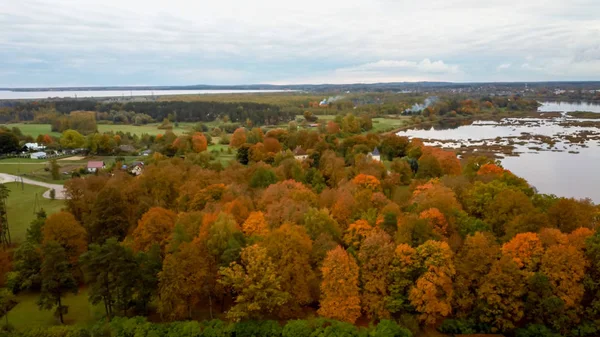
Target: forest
[[333, 242], [317, 227]]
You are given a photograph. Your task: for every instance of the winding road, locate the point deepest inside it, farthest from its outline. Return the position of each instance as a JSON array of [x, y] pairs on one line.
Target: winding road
[[60, 189]]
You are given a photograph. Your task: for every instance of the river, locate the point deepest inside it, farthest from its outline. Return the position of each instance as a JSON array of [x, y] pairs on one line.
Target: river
[[116, 93], [566, 168]]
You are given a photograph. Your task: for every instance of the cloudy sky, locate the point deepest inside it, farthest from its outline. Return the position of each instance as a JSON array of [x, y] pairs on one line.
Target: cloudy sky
[[179, 42]]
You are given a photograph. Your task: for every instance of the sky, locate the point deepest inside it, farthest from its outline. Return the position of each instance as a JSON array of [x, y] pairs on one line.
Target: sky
[[49, 43]]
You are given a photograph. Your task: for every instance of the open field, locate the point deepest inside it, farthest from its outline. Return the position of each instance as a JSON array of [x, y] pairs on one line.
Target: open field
[[33, 130], [31, 168], [152, 129], [35, 169], [27, 315], [384, 124], [20, 204]]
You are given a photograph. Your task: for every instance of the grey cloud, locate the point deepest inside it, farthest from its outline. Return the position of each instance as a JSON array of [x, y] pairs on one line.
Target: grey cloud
[[361, 33]]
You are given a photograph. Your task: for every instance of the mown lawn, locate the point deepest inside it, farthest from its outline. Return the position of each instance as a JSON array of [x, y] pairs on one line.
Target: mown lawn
[[20, 205], [16, 168], [27, 315], [33, 129]]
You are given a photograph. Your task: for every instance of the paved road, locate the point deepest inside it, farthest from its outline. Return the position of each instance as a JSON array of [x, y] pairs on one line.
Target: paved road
[[60, 189]]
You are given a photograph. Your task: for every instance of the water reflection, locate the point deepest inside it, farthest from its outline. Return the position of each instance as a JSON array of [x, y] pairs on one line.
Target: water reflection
[[569, 106]]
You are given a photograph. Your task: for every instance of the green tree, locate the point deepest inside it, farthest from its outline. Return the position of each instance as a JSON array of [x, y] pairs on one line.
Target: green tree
[[109, 216], [256, 283], [8, 142], [243, 154], [110, 271], [7, 301], [34, 232], [57, 279], [54, 169], [320, 221], [225, 239], [263, 177], [72, 139], [27, 266], [389, 328]]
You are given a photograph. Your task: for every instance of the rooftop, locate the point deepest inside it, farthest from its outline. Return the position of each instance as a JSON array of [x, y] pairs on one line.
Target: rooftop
[[95, 164]]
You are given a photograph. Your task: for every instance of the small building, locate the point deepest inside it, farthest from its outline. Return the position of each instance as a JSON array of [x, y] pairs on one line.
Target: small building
[[38, 155], [94, 166], [136, 168], [375, 155], [34, 146], [146, 153], [300, 154]]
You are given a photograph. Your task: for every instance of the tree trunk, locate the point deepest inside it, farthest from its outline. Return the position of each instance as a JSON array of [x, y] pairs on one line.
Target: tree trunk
[[60, 313], [210, 304]]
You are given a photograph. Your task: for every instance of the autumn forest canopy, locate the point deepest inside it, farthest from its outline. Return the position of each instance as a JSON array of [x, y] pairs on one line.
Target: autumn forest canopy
[[335, 230]]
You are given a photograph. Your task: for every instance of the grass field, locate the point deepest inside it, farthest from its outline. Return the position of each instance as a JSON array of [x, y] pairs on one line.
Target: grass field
[[33, 129], [152, 129], [20, 204], [222, 155], [27, 315], [383, 124]]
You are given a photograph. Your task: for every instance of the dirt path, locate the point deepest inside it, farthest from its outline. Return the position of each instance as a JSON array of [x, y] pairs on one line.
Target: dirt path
[[60, 189]]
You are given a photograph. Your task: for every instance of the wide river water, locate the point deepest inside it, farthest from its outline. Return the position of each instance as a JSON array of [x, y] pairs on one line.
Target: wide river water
[[564, 168], [115, 93]]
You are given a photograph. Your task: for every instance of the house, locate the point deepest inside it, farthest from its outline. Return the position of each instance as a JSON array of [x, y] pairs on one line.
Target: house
[[300, 154], [38, 155], [136, 168], [34, 146], [375, 155], [94, 166]]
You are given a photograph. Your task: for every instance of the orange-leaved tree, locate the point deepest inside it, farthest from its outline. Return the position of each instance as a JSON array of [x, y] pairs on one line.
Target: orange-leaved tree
[[433, 293], [356, 233], [473, 262], [565, 266], [340, 298], [490, 169], [199, 142], [375, 257], [63, 228], [526, 250], [436, 219], [154, 228], [255, 224], [181, 281], [238, 138], [367, 181]]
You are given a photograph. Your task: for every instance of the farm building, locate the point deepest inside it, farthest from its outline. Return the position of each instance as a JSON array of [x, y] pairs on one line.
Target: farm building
[[38, 155], [34, 146]]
